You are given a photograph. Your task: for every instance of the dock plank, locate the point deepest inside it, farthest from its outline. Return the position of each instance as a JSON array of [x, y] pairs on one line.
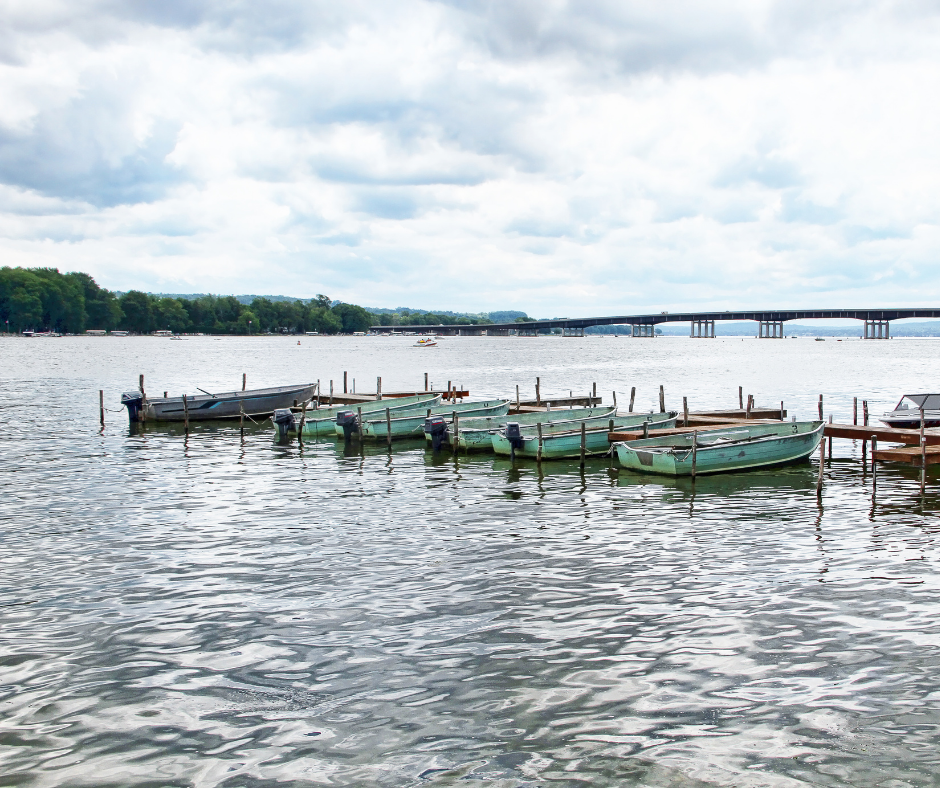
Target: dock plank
[[909, 454], [889, 434]]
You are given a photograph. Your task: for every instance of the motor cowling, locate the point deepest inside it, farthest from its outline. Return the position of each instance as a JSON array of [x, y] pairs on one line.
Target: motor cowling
[[347, 420], [436, 427], [284, 421], [514, 434], [134, 402]]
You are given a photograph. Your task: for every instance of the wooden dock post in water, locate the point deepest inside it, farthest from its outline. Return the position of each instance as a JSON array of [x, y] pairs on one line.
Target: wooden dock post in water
[[425, 381], [685, 411], [855, 410], [517, 398], [874, 451], [185, 415], [244, 380], [741, 397], [750, 400], [594, 390], [783, 413], [538, 456], [378, 388], [359, 422], [538, 394], [318, 394], [830, 440], [143, 401], [632, 397], [822, 463], [865, 412], [345, 390], [694, 452], [923, 454], [101, 404], [241, 416], [820, 407], [331, 394], [388, 426], [615, 400], [662, 400], [303, 420], [583, 442], [456, 420]]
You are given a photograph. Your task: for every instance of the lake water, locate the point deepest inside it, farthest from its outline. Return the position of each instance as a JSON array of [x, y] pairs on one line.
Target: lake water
[[219, 611]]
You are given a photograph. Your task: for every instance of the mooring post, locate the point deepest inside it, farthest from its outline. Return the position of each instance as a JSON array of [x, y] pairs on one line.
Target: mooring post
[[741, 397], [694, 452], [388, 426], [185, 415], [456, 419], [318, 393], [101, 404], [143, 401], [632, 397], [822, 463], [646, 429], [615, 400], [517, 398], [820, 407], [855, 410], [345, 389], [583, 442], [594, 392], [783, 413], [359, 422], [538, 457], [874, 451], [610, 426], [865, 412], [830, 439], [425, 381], [303, 420], [923, 454], [378, 388], [662, 400], [165, 394], [685, 411], [747, 412], [538, 393], [244, 380], [241, 416], [331, 394]]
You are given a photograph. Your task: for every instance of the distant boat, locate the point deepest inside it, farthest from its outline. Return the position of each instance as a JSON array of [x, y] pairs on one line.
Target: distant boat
[[906, 414], [820, 339], [425, 343], [228, 405], [741, 448]]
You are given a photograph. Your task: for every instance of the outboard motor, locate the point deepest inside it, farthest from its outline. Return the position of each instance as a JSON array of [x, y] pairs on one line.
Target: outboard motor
[[514, 434], [134, 401], [284, 421], [347, 420], [436, 427]]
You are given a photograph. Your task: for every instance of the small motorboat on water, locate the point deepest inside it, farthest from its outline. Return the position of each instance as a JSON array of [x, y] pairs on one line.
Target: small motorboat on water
[[906, 414], [425, 343]]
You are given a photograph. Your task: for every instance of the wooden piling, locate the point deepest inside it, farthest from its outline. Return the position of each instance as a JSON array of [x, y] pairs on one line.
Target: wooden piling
[[143, 401], [615, 400], [388, 426], [331, 394], [378, 388], [359, 422], [583, 442], [318, 393], [822, 464], [646, 429], [594, 391], [783, 413], [855, 410], [923, 454], [185, 414], [538, 456], [303, 420], [538, 394], [610, 426], [741, 397], [874, 451], [694, 452], [517, 397], [865, 412], [456, 420], [241, 416], [830, 440], [632, 397], [101, 404], [345, 389], [425, 381], [685, 411], [244, 380], [820, 407], [662, 400], [750, 400]]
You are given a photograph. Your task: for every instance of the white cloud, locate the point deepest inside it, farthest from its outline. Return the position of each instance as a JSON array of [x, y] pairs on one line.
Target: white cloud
[[559, 157]]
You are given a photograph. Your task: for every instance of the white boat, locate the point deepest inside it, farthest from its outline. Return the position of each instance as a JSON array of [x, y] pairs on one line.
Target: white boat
[[425, 343], [906, 414]]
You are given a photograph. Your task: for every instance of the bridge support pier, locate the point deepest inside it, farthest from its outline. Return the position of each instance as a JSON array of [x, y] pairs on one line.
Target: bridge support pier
[[527, 332], [572, 332], [771, 329], [877, 329], [702, 328], [643, 330]]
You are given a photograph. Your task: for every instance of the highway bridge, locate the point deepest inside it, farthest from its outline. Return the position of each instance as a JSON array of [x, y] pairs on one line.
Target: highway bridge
[[770, 322]]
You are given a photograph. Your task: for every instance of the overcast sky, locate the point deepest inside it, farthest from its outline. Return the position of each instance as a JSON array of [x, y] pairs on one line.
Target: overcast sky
[[563, 158]]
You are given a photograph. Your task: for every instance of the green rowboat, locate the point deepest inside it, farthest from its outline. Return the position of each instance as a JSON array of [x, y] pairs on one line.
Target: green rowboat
[[411, 425], [560, 440], [322, 421], [738, 448], [475, 432]]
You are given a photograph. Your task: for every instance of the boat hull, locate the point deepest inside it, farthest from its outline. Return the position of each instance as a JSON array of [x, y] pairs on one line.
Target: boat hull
[[722, 451], [321, 422], [413, 426], [476, 435], [228, 405], [563, 443]]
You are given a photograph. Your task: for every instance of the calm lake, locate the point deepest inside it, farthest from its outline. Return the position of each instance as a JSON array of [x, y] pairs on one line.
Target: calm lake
[[227, 611]]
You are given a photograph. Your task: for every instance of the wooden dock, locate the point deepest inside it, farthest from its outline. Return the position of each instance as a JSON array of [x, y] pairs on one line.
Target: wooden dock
[[909, 454], [887, 434]]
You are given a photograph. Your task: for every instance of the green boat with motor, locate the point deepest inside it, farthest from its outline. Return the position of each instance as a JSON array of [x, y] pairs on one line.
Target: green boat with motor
[[321, 422], [411, 424], [474, 432], [738, 448], [564, 439]]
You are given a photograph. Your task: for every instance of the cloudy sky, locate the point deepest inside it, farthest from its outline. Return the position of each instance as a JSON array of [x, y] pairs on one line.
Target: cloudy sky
[[564, 158]]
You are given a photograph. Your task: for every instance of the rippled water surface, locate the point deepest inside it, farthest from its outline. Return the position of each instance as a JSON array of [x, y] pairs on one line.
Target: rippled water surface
[[227, 611]]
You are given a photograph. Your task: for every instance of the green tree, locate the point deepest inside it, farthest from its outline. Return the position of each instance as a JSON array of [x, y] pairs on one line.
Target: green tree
[[138, 312], [353, 318], [170, 313]]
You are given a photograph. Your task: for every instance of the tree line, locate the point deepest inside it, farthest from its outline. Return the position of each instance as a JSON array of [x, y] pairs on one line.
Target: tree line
[[35, 299]]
